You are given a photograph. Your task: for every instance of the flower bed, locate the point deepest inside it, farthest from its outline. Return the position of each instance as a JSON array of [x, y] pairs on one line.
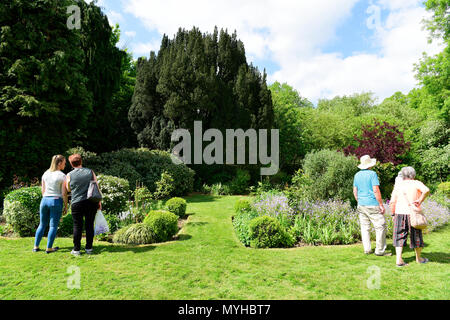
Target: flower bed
[[331, 222]]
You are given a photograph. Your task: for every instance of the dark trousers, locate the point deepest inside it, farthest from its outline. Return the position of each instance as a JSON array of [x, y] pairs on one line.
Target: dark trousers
[[84, 209]]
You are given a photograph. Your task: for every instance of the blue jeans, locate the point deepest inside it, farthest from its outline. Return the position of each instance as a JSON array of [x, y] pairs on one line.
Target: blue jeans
[[50, 212]]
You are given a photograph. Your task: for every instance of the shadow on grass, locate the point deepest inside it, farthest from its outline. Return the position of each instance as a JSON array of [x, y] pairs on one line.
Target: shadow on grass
[[183, 237], [439, 257], [197, 223], [98, 249], [123, 248]]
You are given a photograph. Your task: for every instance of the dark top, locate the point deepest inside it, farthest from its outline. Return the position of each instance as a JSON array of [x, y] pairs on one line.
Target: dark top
[[79, 183]]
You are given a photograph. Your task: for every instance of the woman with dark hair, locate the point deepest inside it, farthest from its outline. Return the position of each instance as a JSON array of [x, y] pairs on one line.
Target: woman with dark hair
[[78, 181], [54, 195]]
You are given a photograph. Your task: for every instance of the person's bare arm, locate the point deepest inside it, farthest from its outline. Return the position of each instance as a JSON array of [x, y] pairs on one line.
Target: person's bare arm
[[68, 183], [64, 194], [43, 187], [422, 198], [377, 192], [355, 193]]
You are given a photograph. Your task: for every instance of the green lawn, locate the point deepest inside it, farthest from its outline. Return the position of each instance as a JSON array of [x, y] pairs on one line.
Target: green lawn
[[208, 262]]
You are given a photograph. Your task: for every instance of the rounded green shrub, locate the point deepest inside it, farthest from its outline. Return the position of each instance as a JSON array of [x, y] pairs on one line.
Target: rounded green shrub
[[177, 206], [266, 232], [21, 210], [242, 205], [164, 224], [332, 173], [116, 192], [137, 234]]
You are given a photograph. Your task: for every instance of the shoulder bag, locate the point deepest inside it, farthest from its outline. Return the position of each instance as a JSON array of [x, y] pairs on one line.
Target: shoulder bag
[[417, 218], [94, 193]]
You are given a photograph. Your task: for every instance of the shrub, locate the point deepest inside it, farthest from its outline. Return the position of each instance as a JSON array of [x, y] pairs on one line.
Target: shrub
[[136, 234], [220, 189], [177, 206], [116, 192], [242, 205], [239, 184], [164, 224], [21, 210], [266, 232], [164, 187], [387, 173], [143, 166], [332, 173], [276, 205], [441, 199], [437, 214], [435, 163], [65, 228], [142, 196], [382, 141], [206, 189], [113, 222], [241, 224], [325, 222], [5, 230], [444, 188], [300, 187]]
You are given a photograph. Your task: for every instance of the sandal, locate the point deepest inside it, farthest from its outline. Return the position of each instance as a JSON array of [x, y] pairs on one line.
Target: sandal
[[36, 250], [402, 264], [425, 260], [54, 250]]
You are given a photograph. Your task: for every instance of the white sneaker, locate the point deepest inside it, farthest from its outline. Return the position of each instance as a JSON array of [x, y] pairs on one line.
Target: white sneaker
[[89, 251], [75, 253]]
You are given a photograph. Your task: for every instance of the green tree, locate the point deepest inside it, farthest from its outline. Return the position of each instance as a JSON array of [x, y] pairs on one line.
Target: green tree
[[433, 73], [198, 77], [103, 66], [44, 95], [57, 84], [336, 121], [287, 104]]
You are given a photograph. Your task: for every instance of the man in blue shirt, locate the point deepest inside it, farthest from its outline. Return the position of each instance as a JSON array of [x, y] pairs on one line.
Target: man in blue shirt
[[366, 189]]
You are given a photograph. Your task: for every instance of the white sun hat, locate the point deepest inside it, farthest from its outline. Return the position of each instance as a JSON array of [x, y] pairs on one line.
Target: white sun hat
[[367, 162]]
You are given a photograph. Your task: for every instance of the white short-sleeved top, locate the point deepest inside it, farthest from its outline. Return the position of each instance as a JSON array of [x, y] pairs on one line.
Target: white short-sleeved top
[[53, 183], [405, 193]]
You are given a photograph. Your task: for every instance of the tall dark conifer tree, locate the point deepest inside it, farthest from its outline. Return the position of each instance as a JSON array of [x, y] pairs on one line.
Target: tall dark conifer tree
[[198, 77]]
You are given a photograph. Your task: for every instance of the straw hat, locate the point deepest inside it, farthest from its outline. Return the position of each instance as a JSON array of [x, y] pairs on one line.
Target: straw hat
[[367, 162]]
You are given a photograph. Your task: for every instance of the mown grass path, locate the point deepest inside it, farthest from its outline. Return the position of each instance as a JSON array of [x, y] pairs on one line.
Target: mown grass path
[[208, 262]]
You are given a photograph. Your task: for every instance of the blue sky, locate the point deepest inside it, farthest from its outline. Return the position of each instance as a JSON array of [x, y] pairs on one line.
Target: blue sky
[[322, 48]]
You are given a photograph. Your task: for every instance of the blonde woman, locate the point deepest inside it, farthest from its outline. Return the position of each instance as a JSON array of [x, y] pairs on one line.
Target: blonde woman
[[54, 197], [407, 192]]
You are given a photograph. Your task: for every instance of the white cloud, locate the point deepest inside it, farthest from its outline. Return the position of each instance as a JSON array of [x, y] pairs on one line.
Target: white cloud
[[402, 42], [130, 34], [145, 48], [291, 33], [114, 17]]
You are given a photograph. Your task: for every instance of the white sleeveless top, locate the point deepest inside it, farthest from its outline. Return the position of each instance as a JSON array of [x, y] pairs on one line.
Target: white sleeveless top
[[53, 183]]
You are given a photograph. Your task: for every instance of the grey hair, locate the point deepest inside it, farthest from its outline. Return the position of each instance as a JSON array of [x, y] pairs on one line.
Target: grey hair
[[408, 173]]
